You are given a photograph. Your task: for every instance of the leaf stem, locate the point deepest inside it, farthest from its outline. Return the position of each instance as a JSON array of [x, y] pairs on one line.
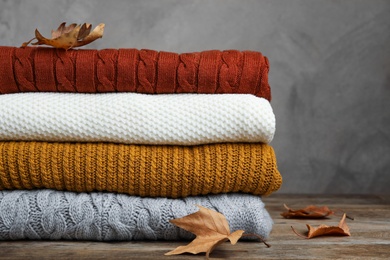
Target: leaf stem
[[296, 233], [259, 237], [27, 43], [347, 216]]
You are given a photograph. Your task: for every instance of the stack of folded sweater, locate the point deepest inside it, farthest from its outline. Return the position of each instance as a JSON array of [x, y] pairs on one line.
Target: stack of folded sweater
[[112, 144]]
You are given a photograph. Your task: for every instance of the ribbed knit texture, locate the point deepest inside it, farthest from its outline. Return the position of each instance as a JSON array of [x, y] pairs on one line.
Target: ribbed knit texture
[[130, 70], [53, 215], [180, 119], [144, 170]]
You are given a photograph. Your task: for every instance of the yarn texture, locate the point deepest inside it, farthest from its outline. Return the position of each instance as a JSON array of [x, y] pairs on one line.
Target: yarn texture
[[54, 215], [143, 170], [133, 118], [131, 70]]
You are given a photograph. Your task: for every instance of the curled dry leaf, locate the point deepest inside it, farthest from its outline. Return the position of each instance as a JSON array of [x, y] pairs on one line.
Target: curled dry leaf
[[323, 230], [308, 212], [211, 229], [66, 37]]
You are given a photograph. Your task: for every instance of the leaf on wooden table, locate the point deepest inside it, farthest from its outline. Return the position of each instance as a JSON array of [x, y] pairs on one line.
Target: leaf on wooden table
[[308, 212], [211, 229], [323, 230], [66, 37]]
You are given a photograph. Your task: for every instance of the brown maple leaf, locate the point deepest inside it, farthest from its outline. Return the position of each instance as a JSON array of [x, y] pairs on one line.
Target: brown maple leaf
[[211, 229], [323, 230], [308, 212], [66, 37]]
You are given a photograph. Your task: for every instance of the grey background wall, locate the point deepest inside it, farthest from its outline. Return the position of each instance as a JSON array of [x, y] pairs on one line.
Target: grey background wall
[[330, 70]]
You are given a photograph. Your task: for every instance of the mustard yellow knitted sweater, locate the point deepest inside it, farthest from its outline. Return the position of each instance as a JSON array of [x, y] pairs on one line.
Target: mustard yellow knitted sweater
[[144, 170]]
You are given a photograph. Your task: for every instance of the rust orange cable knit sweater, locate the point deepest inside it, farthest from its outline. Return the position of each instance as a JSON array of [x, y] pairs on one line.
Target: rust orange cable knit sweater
[[153, 171], [130, 70]]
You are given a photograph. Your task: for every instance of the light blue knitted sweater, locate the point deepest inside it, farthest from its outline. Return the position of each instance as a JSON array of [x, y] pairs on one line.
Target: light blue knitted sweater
[[49, 214]]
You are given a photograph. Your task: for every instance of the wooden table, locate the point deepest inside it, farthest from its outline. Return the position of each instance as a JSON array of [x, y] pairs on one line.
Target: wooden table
[[370, 237]]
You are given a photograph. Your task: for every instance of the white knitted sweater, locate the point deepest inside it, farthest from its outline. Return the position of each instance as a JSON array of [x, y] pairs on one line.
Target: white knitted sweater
[[180, 119]]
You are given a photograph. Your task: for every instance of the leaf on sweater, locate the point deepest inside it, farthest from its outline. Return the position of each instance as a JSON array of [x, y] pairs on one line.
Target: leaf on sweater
[[211, 229], [66, 37], [323, 230], [308, 212]]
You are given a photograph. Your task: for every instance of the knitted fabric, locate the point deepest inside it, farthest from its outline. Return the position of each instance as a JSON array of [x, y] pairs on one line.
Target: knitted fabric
[[130, 70], [143, 170], [180, 119], [53, 215]]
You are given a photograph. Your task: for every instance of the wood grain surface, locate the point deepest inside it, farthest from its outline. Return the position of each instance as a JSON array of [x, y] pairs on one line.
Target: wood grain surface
[[370, 237]]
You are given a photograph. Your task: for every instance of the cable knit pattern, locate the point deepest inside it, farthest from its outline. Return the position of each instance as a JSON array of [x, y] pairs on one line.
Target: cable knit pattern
[[54, 215], [142, 170], [131, 70], [133, 118]]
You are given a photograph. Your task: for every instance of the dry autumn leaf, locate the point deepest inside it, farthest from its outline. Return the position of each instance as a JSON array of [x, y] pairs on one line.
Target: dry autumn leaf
[[308, 212], [323, 230], [66, 37], [211, 229]]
